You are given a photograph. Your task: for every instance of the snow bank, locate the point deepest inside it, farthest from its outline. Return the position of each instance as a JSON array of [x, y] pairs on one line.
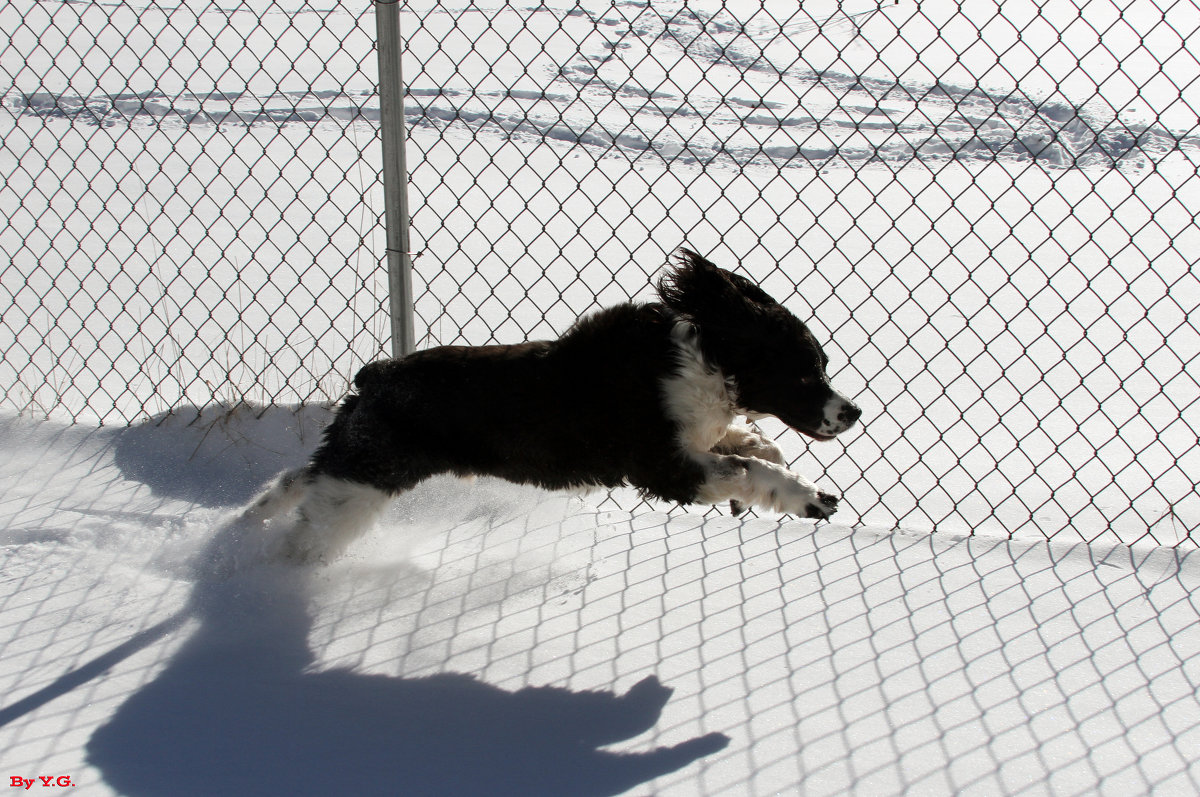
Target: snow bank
[[490, 639]]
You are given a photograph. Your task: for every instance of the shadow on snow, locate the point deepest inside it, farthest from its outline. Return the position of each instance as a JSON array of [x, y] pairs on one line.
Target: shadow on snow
[[239, 708]]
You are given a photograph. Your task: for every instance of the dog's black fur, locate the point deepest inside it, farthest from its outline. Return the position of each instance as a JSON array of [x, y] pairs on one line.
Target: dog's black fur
[[626, 396], [580, 411]]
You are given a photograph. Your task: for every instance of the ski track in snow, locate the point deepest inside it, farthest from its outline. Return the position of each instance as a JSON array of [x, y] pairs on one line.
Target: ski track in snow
[[615, 93], [974, 125]]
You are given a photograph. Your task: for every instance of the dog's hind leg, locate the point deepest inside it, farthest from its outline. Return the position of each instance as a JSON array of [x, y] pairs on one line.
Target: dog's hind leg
[[755, 482], [333, 513], [280, 496], [240, 540]]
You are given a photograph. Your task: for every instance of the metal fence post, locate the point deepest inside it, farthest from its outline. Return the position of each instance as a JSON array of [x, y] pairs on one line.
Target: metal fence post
[[395, 176]]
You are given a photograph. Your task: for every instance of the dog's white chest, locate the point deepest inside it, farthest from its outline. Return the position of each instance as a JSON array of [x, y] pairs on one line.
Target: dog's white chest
[[697, 396]]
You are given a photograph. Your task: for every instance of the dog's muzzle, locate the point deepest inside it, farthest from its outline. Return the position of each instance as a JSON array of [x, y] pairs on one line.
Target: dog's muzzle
[[840, 414]]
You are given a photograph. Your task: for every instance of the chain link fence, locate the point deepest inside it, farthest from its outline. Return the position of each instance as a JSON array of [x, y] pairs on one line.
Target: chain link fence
[[187, 205], [989, 214]]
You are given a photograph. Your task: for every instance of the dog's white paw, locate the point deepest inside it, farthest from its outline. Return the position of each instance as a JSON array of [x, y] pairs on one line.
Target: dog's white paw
[[825, 505], [748, 481], [796, 495], [762, 448], [747, 441], [809, 502]]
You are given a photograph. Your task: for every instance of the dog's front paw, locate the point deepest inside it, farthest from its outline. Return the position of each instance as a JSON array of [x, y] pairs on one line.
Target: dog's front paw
[[801, 498], [823, 507]]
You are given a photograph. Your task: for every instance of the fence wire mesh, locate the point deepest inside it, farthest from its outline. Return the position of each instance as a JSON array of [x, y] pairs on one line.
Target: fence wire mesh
[[187, 204], [989, 213]]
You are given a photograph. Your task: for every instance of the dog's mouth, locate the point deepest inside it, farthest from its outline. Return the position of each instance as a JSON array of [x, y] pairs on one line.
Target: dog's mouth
[[804, 428]]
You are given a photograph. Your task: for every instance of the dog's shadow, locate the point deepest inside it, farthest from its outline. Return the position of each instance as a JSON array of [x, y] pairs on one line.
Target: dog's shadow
[[239, 710]]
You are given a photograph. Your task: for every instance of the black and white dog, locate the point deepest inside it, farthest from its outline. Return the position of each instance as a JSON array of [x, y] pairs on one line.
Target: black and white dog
[[649, 395]]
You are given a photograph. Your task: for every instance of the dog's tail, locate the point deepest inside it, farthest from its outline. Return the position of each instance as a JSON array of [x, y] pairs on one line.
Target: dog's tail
[[281, 495]]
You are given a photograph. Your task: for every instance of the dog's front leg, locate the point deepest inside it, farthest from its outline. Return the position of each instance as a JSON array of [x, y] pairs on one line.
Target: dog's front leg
[[747, 441], [756, 482]]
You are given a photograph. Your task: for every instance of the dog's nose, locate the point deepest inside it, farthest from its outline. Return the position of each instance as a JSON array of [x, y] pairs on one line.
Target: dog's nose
[[850, 413]]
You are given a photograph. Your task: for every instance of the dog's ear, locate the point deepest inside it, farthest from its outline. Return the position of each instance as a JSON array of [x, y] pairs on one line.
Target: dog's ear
[[695, 285]]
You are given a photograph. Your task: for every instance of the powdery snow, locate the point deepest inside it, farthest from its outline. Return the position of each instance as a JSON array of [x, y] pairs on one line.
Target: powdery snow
[[491, 639]]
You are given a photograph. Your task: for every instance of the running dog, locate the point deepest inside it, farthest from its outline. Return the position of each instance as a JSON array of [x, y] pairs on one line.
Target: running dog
[[644, 394]]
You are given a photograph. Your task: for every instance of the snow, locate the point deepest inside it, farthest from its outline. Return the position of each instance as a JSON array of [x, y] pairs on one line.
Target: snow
[[493, 639], [1001, 277]]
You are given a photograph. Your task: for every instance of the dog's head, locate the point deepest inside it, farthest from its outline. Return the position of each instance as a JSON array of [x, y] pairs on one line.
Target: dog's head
[[776, 365]]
